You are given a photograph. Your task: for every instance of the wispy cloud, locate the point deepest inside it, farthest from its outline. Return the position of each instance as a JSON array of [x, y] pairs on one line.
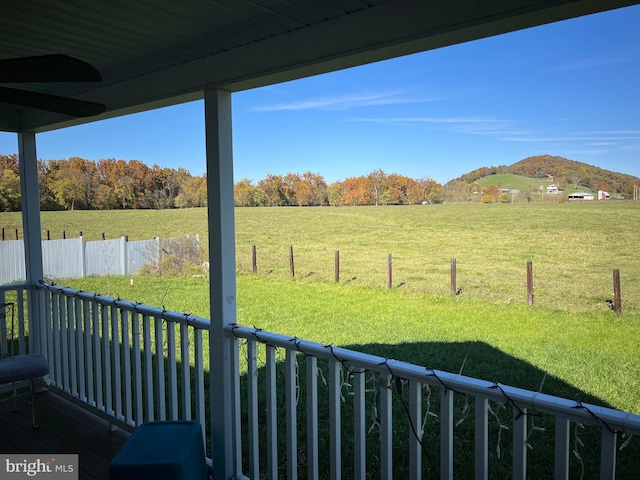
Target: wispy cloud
[[597, 61], [509, 131], [471, 125], [576, 138], [345, 101]]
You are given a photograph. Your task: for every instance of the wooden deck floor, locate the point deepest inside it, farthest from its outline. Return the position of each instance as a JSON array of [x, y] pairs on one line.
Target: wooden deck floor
[[64, 428]]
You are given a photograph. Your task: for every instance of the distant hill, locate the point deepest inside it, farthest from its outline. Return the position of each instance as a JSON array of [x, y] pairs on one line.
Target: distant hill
[[526, 184], [570, 175]]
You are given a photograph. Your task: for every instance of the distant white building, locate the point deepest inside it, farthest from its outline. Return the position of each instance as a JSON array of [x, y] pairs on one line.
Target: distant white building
[[552, 190], [581, 196], [602, 195]]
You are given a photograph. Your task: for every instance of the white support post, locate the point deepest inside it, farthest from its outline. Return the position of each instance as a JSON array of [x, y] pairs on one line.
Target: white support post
[[83, 257], [28, 162], [123, 256], [225, 452]]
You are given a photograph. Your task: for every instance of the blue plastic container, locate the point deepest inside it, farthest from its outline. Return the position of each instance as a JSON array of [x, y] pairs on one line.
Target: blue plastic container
[[162, 451]]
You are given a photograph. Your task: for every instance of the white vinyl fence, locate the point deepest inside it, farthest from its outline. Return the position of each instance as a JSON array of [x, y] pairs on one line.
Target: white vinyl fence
[[77, 258]]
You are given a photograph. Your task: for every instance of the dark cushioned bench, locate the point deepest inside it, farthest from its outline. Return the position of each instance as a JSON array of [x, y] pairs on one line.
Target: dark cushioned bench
[[24, 367]]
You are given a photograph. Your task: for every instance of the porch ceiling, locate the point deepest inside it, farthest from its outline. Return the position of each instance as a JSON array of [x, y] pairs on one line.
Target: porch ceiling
[[162, 52]]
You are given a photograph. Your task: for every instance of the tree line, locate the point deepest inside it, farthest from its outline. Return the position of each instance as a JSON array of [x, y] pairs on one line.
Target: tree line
[[311, 189], [107, 184], [79, 184]]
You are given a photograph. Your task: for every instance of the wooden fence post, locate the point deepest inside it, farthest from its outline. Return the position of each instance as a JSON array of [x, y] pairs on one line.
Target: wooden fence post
[[453, 277], [103, 235], [617, 298], [48, 235], [389, 271], [530, 282], [64, 234], [17, 236], [3, 234], [80, 234], [292, 270], [254, 259], [337, 266]]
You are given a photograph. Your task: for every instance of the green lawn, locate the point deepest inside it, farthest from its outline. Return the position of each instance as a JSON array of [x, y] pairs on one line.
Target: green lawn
[[574, 247], [591, 356]]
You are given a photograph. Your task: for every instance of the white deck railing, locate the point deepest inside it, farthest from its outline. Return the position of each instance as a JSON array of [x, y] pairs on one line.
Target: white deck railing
[[132, 362], [393, 376], [136, 363], [14, 328]]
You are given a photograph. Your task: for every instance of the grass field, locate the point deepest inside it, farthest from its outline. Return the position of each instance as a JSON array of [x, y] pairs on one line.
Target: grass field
[[529, 187], [570, 334], [590, 356], [574, 247]]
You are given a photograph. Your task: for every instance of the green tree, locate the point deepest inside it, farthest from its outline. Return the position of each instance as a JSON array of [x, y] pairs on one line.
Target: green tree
[[9, 191], [334, 194]]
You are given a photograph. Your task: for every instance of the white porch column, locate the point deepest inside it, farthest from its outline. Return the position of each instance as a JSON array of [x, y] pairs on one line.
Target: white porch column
[[30, 194], [222, 281]]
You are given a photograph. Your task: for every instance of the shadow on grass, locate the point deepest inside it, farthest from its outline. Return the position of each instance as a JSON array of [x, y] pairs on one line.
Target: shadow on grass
[[481, 361]]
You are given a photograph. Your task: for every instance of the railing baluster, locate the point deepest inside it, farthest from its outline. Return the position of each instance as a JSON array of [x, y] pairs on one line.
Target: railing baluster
[[446, 434], [71, 336], [519, 444], [335, 438], [415, 430], [40, 343], [292, 422], [481, 438], [148, 368], [608, 454], [234, 367], [386, 428], [186, 372], [160, 387], [21, 331], [82, 391], [106, 352], [252, 409], [199, 384], [88, 336], [64, 343], [97, 363], [57, 354], [137, 367], [272, 413], [359, 425], [126, 360], [48, 333], [561, 463], [4, 346], [312, 417], [117, 367], [173, 371]]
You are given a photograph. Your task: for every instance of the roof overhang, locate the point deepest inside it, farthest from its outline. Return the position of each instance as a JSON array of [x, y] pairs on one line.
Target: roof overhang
[[164, 61]]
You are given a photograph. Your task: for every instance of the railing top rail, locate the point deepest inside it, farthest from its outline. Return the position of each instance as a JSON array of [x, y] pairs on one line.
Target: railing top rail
[[12, 286], [146, 310], [613, 420]]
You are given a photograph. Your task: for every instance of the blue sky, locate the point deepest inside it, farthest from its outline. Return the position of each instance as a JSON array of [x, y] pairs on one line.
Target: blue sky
[[571, 89]]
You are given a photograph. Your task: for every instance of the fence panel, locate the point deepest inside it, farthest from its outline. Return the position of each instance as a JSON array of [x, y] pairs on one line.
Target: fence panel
[[75, 258], [12, 261], [61, 258]]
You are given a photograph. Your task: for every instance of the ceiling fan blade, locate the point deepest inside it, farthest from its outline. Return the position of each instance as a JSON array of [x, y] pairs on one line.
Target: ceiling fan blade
[[51, 103], [47, 68]]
